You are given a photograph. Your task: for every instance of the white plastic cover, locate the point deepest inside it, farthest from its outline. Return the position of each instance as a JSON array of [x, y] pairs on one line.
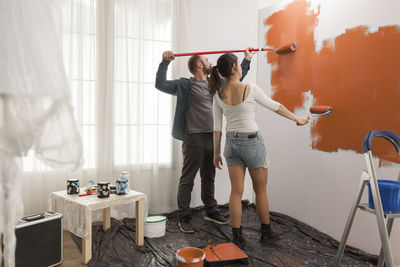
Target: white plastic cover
[[35, 109]]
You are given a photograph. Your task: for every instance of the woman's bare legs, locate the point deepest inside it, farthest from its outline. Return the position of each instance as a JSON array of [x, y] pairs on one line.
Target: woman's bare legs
[[236, 175], [260, 177]]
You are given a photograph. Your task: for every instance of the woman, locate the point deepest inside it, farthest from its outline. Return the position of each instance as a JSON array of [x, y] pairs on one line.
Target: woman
[[244, 145]]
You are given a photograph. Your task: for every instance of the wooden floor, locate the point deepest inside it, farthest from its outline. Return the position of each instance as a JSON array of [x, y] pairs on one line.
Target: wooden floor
[[72, 255]]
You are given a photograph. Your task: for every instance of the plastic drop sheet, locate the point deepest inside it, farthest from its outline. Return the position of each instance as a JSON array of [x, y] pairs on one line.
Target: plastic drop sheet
[[300, 244]]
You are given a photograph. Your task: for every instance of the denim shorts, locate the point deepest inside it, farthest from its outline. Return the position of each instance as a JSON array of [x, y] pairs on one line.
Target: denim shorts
[[245, 148]]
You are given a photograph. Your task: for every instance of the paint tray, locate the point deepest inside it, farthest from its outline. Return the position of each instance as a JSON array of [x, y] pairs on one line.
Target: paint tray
[[224, 254]]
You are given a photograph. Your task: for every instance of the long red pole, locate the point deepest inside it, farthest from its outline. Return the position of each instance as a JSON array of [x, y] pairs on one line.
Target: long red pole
[[220, 52], [282, 50]]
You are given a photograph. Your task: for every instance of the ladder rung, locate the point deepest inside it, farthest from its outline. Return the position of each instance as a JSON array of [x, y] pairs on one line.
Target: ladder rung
[[365, 207]]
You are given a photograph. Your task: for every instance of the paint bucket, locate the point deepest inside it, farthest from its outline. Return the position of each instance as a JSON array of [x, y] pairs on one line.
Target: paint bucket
[[103, 189], [190, 257], [73, 186], [390, 195], [155, 226]]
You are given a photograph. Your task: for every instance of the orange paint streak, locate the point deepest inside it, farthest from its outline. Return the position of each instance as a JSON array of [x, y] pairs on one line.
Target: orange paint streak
[[358, 74]]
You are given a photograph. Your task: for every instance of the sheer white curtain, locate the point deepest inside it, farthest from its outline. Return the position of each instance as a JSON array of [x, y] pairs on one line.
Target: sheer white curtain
[[142, 114], [77, 29], [112, 49]]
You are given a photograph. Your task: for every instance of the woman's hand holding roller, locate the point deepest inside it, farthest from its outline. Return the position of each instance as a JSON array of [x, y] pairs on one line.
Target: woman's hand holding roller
[[301, 120], [249, 54]]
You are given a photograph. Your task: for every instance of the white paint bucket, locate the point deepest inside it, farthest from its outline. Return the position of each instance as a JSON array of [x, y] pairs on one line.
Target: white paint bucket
[[155, 226]]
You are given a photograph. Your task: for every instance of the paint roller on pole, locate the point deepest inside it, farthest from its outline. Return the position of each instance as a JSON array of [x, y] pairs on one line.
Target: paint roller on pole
[[317, 111], [280, 51]]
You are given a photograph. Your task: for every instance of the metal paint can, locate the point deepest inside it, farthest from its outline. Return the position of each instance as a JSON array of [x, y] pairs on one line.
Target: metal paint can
[[122, 186], [103, 189], [73, 186], [193, 257]]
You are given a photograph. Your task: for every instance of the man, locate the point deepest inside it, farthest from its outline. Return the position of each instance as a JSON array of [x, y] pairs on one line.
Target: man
[[193, 124]]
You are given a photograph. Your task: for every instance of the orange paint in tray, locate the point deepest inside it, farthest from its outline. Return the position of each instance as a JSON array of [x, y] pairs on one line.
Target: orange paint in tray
[[226, 253]]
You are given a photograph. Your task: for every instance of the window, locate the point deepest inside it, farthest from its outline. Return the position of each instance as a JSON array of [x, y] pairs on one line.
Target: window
[[142, 115]]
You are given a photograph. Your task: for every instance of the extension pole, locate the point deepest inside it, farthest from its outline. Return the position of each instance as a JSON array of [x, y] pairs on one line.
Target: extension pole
[[282, 50]]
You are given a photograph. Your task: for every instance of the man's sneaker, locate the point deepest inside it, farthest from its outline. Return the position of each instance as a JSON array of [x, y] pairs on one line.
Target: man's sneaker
[[185, 225], [215, 217]]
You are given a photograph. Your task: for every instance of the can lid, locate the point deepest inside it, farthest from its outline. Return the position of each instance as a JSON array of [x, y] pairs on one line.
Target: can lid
[[73, 180], [103, 183], [156, 218]]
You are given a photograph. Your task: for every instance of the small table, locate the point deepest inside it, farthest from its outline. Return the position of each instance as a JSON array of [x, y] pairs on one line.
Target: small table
[[77, 212]]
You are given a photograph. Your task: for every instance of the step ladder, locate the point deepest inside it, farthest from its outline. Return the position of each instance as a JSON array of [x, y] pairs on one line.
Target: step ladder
[[385, 255]]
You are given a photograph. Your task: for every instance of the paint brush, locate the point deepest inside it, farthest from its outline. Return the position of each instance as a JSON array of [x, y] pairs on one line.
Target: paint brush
[[95, 193], [317, 111], [280, 51]]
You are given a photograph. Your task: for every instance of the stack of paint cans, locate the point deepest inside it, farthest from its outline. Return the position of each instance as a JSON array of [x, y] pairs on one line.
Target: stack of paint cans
[[73, 186], [122, 186], [103, 189]]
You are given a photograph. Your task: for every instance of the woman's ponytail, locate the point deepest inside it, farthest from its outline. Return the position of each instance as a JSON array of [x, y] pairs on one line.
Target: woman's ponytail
[[214, 82], [223, 67]]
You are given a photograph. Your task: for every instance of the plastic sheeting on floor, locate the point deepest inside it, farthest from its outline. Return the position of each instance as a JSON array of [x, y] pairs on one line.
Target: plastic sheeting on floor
[[300, 244]]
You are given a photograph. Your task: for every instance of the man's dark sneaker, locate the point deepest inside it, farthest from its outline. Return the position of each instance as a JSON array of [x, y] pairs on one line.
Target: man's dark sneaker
[[215, 217], [268, 235], [185, 224]]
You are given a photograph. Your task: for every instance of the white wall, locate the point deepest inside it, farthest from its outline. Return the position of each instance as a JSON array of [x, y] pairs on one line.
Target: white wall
[[266, 3], [313, 186], [217, 25]]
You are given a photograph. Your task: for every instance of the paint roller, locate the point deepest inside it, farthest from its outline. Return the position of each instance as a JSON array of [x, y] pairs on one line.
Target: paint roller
[[317, 111], [280, 51]]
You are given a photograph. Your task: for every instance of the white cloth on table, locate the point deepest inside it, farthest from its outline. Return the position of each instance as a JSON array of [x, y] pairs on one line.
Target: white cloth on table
[[74, 209]]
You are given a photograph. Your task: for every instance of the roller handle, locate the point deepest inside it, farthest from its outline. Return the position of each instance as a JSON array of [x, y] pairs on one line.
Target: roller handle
[[280, 51], [221, 52], [308, 118]]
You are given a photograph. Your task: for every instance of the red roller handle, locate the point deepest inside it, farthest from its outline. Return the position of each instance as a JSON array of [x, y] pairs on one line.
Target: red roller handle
[[221, 52], [280, 51]]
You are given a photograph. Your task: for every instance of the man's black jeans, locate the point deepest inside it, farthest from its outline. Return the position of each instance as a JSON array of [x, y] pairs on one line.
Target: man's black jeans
[[198, 153]]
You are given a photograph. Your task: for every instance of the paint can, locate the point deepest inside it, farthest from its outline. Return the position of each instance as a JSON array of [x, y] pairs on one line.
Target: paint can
[[190, 257], [155, 226], [103, 189], [73, 186], [122, 186]]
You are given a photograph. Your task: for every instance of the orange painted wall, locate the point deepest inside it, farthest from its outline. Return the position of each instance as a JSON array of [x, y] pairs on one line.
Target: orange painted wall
[[357, 73]]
